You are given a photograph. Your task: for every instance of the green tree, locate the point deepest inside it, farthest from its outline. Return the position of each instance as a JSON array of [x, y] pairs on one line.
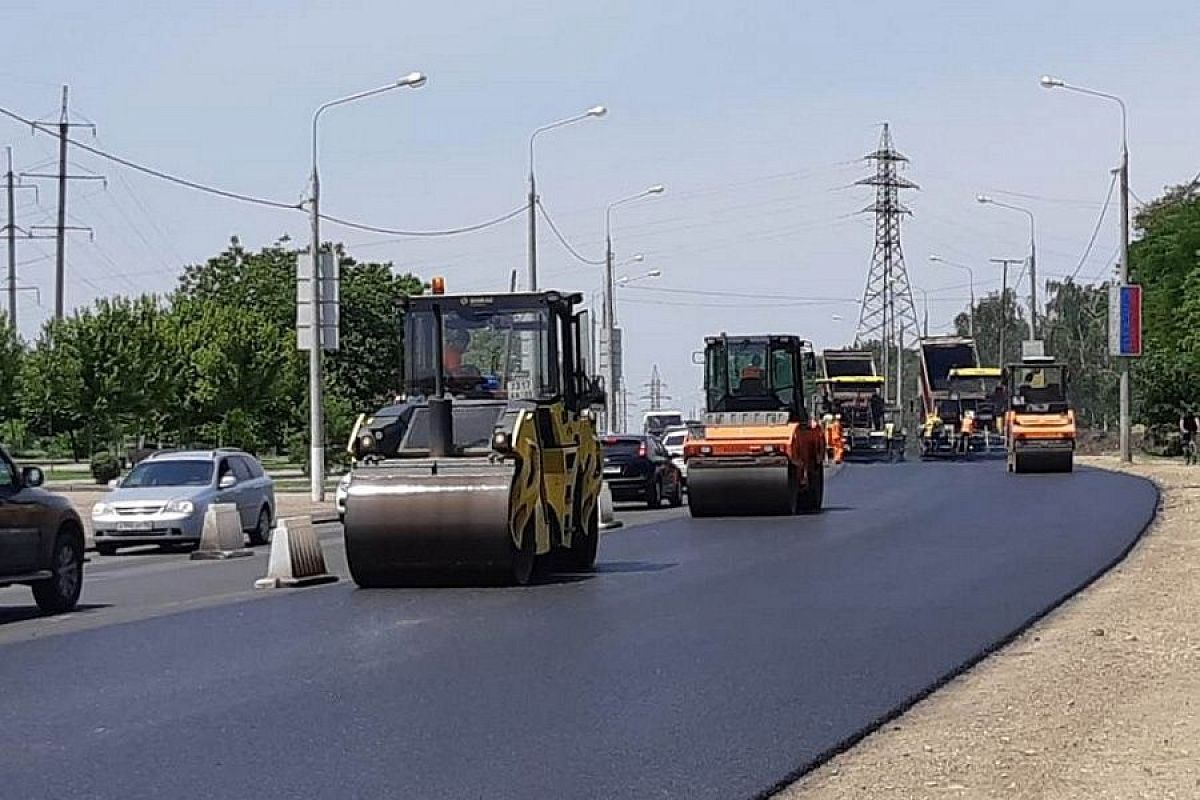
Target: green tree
[[1075, 329], [12, 353], [1165, 260], [990, 316]]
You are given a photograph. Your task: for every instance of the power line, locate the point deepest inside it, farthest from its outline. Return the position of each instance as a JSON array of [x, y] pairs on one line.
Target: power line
[[562, 239], [447, 232], [96, 151], [1095, 231]]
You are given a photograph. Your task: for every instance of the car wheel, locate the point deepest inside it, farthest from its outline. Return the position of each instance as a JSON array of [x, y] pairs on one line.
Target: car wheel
[[106, 549], [262, 531], [654, 495], [60, 592], [676, 499]]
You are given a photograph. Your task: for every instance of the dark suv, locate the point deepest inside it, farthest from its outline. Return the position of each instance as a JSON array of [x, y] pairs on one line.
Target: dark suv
[[639, 468], [41, 539]]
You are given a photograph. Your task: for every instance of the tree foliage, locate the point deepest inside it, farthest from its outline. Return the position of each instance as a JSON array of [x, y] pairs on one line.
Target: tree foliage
[[215, 362], [1166, 262]]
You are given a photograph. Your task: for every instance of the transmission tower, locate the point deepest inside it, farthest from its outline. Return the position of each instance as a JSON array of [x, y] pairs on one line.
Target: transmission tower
[[887, 306], [655, 391]]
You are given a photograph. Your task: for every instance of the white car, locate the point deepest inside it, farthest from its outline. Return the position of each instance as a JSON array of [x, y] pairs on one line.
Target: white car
[[673, 439]]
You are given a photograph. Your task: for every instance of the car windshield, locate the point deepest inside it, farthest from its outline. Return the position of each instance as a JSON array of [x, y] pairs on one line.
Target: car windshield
[[660, 421], [168, 473], [674, 439], [1036, 385], [489, 353]]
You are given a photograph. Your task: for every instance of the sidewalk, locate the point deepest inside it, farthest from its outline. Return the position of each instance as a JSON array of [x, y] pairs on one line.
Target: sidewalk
[[1098, 701]]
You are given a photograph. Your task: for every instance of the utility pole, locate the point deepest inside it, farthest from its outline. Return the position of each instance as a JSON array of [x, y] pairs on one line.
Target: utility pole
[[11, 230], [1123, 361], [63, 131], [887, 305], [1004, 262]]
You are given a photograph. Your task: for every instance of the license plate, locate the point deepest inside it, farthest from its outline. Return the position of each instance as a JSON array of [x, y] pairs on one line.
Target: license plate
[[135, 526], [612, 470]]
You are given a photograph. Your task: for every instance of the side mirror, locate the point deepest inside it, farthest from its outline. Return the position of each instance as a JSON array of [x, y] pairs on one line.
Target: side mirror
[[698, 357], [227, 482], [810, 362], [33, 477], [114, 483]]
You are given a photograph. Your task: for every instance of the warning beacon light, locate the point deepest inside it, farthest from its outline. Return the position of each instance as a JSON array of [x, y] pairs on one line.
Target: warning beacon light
[[438, 285]]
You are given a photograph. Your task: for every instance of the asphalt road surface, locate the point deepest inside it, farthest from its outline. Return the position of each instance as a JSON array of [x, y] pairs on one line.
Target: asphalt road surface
[[705, 658]]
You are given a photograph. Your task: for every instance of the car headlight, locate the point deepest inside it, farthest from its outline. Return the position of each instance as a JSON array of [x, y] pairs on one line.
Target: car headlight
[[179, 507], [102, 509]]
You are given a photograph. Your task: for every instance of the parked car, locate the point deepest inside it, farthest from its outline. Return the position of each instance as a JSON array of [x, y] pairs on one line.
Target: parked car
[[164, 498], [639, 468], [41, 539], [673, 439]]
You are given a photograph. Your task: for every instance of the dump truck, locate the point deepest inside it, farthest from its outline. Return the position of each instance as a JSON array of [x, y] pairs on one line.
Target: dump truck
[[942, 430], [1040, 424], [852, 387], [494, 461], [760, 451], [982, 397]]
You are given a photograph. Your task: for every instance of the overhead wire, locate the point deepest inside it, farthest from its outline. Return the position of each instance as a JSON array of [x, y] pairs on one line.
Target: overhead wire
[[563, 240], [1087, 251], [359, 226]]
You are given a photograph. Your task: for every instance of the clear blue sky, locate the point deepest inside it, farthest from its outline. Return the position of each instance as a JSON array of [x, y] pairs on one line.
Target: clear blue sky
[[753, 114]]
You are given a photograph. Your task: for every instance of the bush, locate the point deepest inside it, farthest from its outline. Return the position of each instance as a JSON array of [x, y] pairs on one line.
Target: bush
[[105, 467]]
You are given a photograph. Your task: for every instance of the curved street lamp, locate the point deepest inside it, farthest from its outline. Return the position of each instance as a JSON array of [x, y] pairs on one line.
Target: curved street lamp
[[316, 421], [1033, 306], [593, 112]]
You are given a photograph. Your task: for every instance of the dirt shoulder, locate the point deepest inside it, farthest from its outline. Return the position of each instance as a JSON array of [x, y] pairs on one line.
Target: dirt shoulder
[[1099, 700]]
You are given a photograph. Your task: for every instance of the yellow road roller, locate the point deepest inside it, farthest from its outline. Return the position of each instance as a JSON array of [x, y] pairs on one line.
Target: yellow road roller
[[489, 462]]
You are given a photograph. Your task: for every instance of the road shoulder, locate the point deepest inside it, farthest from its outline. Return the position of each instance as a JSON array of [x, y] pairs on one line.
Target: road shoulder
[[1100, 699]]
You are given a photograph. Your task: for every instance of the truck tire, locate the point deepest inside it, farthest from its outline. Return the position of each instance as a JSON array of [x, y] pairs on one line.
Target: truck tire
[[581, 557], [60, 592]]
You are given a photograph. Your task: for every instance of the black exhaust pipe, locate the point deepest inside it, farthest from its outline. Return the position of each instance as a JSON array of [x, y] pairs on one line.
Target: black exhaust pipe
[[441, 406]]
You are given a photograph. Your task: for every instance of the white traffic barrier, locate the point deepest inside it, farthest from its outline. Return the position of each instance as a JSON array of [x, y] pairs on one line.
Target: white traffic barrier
[[604, 508], [222, 535], [296, 556]]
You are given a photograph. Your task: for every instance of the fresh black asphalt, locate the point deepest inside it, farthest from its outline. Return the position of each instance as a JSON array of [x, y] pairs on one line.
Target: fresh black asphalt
[[705, 658]]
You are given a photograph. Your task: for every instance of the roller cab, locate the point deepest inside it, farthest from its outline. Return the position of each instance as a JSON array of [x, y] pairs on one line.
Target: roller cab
[[759, 451], [489, 461], [1040, 423]]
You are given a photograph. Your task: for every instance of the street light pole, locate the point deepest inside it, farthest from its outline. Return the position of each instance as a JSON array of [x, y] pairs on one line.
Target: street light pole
[[316, 415], [1004, 300], [610, 322], [1033, 306], [971, 279], [532, 200], [1123, 361]]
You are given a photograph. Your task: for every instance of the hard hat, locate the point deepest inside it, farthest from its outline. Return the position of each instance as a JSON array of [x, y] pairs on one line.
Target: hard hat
[[827, 418], [838, 416]]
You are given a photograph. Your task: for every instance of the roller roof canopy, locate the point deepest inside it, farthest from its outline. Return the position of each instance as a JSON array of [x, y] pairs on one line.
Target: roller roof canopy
[[975, 372]]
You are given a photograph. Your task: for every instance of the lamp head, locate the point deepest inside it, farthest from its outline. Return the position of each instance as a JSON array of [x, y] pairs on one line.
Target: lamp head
[[654, 273], [982, 198], [935, 258], [413, 80], [597, 111], [657, 189], [1050, 82]]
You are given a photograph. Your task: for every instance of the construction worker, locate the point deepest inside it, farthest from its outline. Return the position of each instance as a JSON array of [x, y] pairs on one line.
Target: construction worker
[[835, 439], [966, 431]]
